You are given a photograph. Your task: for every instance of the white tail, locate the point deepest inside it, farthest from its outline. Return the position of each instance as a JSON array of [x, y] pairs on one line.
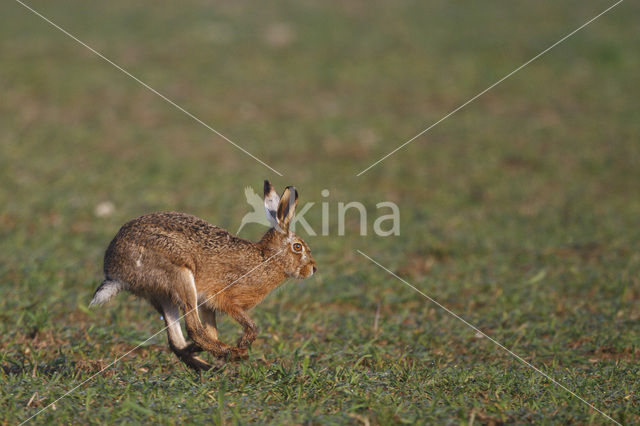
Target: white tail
[[106, 291]]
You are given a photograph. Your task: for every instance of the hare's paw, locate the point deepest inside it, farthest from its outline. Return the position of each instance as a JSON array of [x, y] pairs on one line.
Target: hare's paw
[[193, 361], [193, 348], [197, 363], [237, 354], [245, 341]]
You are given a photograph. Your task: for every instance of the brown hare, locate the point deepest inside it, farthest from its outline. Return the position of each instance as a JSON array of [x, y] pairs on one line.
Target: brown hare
[[178, 261]]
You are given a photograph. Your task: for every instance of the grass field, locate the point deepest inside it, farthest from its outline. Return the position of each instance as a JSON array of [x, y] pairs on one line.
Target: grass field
[[520, 212]]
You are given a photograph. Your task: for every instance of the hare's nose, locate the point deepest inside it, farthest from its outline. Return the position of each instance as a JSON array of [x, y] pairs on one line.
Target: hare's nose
[[314, 269]]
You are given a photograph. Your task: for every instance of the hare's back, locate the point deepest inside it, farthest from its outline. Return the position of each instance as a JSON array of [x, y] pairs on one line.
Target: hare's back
[[178, 237], [172, 230], [152, 247], [169, 238]]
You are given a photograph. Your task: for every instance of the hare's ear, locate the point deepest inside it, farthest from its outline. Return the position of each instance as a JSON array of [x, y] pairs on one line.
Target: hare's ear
[[287, 207], [271, 201]]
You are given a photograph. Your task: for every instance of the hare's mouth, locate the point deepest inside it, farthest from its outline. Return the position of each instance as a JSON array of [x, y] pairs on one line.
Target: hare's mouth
[[304, 271]]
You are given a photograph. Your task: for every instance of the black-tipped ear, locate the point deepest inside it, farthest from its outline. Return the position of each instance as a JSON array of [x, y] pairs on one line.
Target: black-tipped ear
[[267, 188], [271, 201], [287, 207]]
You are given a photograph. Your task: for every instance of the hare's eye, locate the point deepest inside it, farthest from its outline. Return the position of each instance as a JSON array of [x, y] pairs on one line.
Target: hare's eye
[[297, 247]]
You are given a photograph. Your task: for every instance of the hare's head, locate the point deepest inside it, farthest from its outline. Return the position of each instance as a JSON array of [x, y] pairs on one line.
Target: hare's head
[[294, 254]]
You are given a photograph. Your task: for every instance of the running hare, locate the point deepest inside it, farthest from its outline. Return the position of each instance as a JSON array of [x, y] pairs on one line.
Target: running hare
[[177, 261]]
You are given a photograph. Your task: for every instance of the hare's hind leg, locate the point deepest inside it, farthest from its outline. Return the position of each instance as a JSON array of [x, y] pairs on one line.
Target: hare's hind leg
[[177, 343]]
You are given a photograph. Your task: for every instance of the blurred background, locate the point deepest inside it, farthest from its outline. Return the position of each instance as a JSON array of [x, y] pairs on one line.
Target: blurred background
[[520, 212]]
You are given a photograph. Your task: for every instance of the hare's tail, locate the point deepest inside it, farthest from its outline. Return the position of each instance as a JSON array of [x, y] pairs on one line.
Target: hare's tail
[[106, 291]]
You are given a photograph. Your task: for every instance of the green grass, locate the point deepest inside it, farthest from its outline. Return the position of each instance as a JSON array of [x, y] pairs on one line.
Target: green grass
[[519, 213]]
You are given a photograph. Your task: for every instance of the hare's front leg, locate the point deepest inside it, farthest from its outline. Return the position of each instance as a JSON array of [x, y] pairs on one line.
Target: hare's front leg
[[249, 328], [208, 316], [201, 335]]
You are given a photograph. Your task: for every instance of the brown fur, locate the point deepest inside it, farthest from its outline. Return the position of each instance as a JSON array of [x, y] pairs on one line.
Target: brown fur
[[163, 256]]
